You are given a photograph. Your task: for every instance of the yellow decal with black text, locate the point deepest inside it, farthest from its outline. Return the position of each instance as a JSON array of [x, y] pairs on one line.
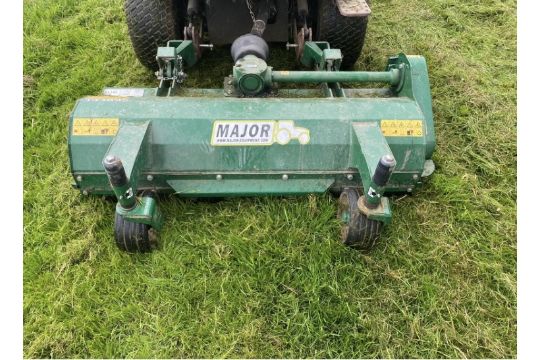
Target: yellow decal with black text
[[95, 126], [402, 128]]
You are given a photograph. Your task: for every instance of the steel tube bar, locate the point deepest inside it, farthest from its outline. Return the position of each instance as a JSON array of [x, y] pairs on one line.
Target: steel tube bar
[[391, 77]]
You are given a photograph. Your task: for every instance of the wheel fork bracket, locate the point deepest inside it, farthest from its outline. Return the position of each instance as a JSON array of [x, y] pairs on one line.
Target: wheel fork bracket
[[123, 162], [375, 164]]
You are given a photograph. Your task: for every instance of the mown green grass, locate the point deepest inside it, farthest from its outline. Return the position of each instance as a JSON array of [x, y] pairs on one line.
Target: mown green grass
[[267, 277]]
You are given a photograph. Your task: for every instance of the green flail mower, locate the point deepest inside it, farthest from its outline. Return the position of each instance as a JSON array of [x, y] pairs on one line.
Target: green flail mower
[[252, 138]]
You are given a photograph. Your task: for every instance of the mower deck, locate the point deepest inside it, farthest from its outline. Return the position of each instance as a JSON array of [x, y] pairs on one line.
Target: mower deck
[[251, 139]]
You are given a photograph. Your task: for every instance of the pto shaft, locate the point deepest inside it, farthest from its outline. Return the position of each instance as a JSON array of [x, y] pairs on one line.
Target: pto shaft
[[391, 77]]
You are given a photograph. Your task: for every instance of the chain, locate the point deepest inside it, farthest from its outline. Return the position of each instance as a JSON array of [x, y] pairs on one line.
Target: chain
[[250, 8]]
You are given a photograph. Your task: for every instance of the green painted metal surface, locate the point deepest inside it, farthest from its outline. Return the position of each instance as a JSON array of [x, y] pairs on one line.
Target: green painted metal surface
[[201, 143], [415, 85], [371, 146], [317, 55], [387, 77], [146, 211], [179, 142], [251, 75], [224, 142], [281, 185], [128, 146]]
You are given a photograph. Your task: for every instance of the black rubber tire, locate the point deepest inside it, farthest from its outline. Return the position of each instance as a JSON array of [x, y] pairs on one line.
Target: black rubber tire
[[151, 23], [342, 32], [359, 232], [133, 237]]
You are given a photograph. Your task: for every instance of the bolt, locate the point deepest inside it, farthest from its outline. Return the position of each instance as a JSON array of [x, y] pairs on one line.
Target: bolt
[[219, 177], [149, 178], [350, 177], [415, 177], [79, 178], [285, 177], [85, 192], [388, 160]]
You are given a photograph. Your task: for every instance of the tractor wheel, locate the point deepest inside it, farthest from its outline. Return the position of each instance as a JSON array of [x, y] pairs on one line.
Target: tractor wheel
[[358, 232], [342, 32], [151, 23], [133, 237]]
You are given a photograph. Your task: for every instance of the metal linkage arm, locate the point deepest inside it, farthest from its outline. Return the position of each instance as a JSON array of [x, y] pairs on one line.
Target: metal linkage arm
[[171, 60], [375, 164], [123, 162]]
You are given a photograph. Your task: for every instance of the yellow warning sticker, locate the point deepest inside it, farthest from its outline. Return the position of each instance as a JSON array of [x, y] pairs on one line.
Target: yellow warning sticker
[[95, 126], [402, 128]]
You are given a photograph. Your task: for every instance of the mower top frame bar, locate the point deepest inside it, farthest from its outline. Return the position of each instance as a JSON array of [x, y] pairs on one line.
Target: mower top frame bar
[[390, 77]]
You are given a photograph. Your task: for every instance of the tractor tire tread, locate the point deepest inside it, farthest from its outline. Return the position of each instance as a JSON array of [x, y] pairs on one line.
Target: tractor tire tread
[[341, 32], [151, 23]]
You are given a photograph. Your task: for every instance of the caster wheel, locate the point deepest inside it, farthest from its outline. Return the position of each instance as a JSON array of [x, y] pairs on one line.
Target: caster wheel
[[134, 237], [358, 232]]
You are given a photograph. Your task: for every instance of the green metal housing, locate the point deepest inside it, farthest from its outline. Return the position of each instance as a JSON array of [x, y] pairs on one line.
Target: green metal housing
[[191, 143]]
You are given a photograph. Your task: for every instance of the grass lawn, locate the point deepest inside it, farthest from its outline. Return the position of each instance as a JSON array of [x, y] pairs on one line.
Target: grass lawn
[[267, 277]]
